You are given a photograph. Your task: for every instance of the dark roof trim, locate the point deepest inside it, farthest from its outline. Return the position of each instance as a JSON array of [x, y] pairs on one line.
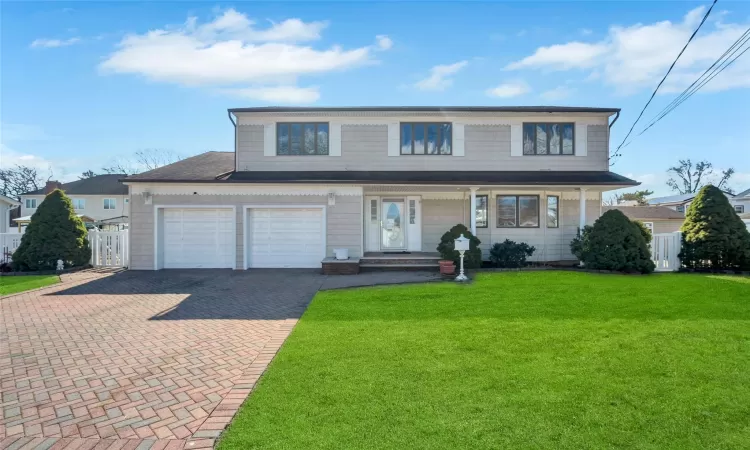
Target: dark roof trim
[[520, 178], [542, 109]]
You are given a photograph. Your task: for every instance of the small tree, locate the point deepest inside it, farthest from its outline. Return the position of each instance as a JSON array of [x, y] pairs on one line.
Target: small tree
[[55, 232], [614, 243], [713, 235], [446, 248]]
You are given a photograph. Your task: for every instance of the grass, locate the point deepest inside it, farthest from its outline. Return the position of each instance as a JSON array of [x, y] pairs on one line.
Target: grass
[[14, 285], [513, 360]]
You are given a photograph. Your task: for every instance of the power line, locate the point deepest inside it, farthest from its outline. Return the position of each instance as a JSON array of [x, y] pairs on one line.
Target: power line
[[665, 77]]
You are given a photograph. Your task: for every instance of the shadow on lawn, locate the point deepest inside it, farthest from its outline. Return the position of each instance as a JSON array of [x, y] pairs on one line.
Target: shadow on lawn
[[213, 293]]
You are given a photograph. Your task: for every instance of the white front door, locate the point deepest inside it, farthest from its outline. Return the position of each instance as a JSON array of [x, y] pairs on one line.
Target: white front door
[[393, 224], [199, 238], [285, 237]]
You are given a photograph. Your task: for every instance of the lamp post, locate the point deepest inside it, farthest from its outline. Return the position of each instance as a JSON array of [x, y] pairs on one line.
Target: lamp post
[[461, 245]]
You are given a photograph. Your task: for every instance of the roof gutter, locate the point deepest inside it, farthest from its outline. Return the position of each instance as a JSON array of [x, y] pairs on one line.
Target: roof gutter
[[616, 117]]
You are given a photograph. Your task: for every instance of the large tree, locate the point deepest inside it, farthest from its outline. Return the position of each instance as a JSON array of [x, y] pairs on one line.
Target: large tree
[[689, 178], [18, 180], [713, 235], [142, 161], [640, 197], [55, 233]]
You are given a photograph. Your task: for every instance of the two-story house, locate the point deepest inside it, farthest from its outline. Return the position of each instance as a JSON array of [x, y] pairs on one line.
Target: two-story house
[[680, 203], [101, 199], [302, 182]]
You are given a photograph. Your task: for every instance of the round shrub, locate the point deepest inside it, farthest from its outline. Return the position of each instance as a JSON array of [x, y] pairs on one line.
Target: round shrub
[[615, 243], [55, 232], [713, 235], [472, 258], [510, 254]]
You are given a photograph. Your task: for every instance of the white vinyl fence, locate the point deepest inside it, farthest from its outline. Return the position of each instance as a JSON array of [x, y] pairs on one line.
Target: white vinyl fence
[[664, 250], [108, 248]]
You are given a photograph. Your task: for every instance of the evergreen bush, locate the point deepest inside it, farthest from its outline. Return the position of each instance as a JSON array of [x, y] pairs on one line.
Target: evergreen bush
[[510, 254], [472, 258]]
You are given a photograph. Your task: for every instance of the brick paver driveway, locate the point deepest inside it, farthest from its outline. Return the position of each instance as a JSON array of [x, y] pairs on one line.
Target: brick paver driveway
[[140, 359]]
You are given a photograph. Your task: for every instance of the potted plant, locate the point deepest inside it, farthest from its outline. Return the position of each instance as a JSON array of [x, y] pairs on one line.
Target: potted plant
[[447, 267]]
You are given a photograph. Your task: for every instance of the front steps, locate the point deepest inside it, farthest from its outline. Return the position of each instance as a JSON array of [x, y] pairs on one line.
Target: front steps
[[416, 261]]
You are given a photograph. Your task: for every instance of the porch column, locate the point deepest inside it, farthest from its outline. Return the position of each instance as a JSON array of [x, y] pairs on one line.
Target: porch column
[[473, 211], [582, 207]]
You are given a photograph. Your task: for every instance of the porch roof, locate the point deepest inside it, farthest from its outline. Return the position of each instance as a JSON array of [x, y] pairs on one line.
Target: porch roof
[[463, 178]]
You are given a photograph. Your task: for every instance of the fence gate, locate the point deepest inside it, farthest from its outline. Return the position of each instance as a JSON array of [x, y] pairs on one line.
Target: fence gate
[[109, 248], [664, 250]]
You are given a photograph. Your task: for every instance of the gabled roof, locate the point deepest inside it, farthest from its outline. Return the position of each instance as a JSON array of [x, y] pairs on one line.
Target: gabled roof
[[648, 212], [682, 198], [108, 184], [204, 167], [491, 109], [745, 193]]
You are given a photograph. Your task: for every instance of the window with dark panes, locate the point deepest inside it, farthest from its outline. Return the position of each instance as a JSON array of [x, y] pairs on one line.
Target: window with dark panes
[[548, 139], [302, 139], [482, 213], [426, 138], [553, 211], [517, 211]]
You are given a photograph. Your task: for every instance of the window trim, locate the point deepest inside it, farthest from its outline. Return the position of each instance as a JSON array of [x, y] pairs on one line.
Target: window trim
[[572, 124], [33, 200], [114, 203], [557, 212], [74, 200], [680, 208], [649, 229], [487, 208], [518, 210], [426, 124], [739, 209], [302, 124]]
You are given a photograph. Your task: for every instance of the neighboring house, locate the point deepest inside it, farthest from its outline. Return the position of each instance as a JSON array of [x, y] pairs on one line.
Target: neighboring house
[[102, 199], [681, 203], [658, 219], [741, 202], [6, 205], [305, 181]]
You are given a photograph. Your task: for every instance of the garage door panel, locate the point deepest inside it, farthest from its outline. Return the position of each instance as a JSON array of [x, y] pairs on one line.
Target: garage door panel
[[285, 237], [199, 238]]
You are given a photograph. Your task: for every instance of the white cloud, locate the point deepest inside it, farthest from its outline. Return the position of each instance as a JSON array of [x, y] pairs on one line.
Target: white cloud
[[509, 89], [384, 42], [637, 56], [231, 49], [278, 94], [53, 43], [585, 31], [558, 93], [440, 77]]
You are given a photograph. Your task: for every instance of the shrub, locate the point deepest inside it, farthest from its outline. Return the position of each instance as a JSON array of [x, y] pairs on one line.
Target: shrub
[[713, 235], [510, 254], [613, 243], [55, 232], [644, 231], [579, 242], [472, 258]]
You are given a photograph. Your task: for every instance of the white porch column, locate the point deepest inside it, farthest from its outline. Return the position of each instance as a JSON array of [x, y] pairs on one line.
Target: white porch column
[[582, 207], [473, 211]]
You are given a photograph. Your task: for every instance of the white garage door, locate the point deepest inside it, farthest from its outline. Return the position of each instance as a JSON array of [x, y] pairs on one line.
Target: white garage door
[[280, 237], [198, 238]]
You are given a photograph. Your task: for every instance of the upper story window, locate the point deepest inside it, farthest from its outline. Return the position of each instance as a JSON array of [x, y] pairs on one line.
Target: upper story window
[[739, 209], [30, 203], [302, 138], [110, 203], [548, 139], [680, 208], [426, 139], [79, 203]]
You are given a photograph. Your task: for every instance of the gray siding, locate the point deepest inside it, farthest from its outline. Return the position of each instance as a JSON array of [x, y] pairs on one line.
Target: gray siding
[[365, 147], [344, 221], [552, 244]]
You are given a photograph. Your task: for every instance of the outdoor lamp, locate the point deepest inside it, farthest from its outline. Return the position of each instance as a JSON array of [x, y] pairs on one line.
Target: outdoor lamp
[[461, 245]]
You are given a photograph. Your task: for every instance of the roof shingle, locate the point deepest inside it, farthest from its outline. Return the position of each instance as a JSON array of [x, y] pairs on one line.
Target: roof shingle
[[108, 184], [648, 212]]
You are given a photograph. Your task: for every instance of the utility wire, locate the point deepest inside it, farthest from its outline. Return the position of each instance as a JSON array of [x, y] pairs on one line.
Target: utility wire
[[723, 62], [617, 151]]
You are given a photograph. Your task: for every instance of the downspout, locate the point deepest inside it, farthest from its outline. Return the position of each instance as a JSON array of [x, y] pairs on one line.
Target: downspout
[[617, 116], [229, 114]]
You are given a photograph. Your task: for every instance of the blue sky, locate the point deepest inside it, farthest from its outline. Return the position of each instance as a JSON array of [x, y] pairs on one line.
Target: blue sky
[[84, 83]]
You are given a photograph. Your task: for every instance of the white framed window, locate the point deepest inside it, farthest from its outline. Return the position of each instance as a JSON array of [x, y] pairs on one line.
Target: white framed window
[[680, 208], [110, 203], [649, 226], [30, 203], [739, 209], [79, 203]]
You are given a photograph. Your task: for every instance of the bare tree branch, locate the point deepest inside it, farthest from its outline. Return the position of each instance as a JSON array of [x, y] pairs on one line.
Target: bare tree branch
[[21, 179], [142, 161], [691, 178]]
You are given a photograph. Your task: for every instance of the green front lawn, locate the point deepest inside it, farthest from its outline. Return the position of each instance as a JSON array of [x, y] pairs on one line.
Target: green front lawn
[[514, 360], [14, 285]]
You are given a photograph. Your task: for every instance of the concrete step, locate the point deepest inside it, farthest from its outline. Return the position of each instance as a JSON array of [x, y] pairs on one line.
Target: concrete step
[[369, 267], [399, 261]]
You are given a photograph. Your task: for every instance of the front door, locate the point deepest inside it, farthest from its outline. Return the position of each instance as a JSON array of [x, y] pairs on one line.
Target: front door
[[393, 225]]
